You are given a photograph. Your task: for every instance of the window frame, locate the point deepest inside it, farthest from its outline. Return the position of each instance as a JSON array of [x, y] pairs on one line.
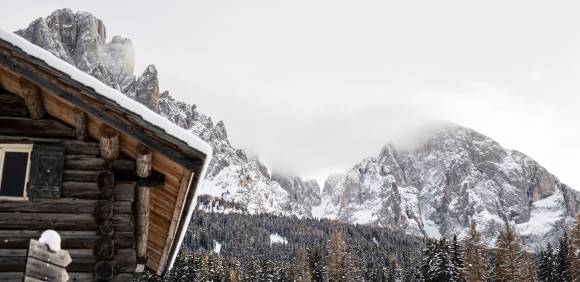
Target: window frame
[[19, 148]]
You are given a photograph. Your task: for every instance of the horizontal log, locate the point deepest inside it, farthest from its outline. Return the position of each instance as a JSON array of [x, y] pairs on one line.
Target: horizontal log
[[87, 190], [71, 146], [80, 175], [56, 221], [18, 239], [74, 276], [63, 205], [15, 126], [93, 163], [83, 260], [86, 164], [11, 276]]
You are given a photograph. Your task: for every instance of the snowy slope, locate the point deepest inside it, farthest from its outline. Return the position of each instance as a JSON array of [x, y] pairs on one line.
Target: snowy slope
[[80, 39], [453, 177]]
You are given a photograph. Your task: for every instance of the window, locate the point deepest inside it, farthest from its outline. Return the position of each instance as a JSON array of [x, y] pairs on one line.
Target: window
[[14, 170]]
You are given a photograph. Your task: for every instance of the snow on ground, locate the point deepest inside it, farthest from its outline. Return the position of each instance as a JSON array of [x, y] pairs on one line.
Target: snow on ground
[[217, 248], [364, 216], [318, 211], [275, 238], [431, 229], [545, 213]]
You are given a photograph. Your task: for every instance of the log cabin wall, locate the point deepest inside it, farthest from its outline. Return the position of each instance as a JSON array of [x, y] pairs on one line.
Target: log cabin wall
[[94, 214]]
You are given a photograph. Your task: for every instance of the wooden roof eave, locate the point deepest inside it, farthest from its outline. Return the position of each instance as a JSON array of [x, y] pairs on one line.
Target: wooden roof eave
[[126, 121]]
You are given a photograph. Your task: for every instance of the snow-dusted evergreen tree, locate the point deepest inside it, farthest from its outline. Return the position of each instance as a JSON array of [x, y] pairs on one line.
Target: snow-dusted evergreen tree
[[546, 265], [474, 255], [317, 265], [427, 257], [457, 262], [562, 261], [254, 272]]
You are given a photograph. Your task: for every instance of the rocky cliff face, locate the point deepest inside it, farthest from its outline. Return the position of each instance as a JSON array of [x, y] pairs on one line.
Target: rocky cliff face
[[453, 177], [80, 39]]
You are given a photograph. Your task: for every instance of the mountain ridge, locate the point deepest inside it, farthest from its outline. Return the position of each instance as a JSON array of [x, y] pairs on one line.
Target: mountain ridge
[[80, 39], [435, 187], [455, 176]]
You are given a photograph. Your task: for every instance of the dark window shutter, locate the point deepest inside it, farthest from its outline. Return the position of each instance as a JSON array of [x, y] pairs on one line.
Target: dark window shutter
[[46, 168]]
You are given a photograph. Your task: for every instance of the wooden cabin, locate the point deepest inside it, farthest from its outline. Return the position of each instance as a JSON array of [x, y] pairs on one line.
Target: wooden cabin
[[117, 181]]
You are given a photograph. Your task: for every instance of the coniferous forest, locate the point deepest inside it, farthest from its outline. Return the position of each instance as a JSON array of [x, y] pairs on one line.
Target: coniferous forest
[[240, 247]]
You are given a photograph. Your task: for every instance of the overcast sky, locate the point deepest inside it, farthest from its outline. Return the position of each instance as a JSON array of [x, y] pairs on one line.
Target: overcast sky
[[312, 87]]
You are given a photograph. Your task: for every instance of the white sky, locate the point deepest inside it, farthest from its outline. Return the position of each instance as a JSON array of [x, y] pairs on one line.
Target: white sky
[[312, 87]]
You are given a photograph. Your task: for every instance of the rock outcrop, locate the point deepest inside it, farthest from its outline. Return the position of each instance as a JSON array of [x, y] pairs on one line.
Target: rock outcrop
[[79, 38], [455, 176]]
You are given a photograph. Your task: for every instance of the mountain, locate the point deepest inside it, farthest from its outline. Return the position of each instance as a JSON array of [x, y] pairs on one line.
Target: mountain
[[80, 39], [452, 177]]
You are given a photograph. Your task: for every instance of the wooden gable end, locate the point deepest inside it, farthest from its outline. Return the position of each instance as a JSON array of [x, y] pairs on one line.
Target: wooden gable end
[[86, 114]]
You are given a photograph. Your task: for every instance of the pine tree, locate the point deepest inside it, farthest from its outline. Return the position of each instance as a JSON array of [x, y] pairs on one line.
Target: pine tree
[[457, 262], [427, 257], [441, 266], [546, 265], [254, 272], [342, 265], [511, 262], [562, 261], [300, 268], [574, 251], [473, 254], [317, 265]]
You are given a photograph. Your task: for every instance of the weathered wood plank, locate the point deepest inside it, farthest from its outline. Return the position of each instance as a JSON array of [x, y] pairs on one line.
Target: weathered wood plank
[[32, 97], [83, 260], [11, 276], [63, 205], [73, 276], [18, 239], [80, 175], [16, 126], [41, 252], [144, 161], [69, 222], [38, 270], [109, 142], [86, 164], [142, 221], [124, 191], [92, 163], [90, 149], [81, 125]]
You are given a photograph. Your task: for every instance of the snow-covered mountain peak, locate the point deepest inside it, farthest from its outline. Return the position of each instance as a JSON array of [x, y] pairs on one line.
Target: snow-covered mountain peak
[[453, 176], [81, 39]]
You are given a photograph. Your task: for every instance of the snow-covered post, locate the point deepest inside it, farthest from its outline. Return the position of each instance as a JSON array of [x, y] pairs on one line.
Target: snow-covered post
[[45, 260]]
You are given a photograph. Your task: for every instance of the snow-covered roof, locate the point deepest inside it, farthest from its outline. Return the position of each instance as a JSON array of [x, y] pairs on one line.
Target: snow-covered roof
[[108, 92], [148, 116]]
